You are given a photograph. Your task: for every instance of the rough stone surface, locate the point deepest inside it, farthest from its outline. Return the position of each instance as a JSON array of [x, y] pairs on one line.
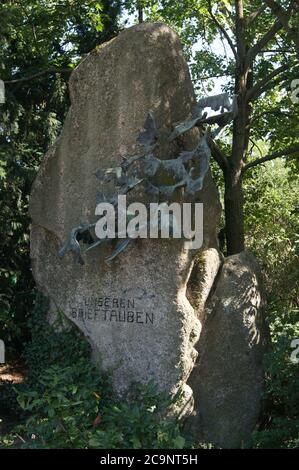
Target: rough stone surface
[[228, 379], [205, 269], [135, 312]]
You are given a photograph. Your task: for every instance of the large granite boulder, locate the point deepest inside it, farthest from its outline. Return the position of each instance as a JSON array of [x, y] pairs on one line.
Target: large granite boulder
[[134, 312], [228, 379]]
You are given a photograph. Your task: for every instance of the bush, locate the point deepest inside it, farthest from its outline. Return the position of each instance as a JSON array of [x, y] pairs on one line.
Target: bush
[[272, 226], [280, 427], [70, 413], [60, 344], [67, 403]]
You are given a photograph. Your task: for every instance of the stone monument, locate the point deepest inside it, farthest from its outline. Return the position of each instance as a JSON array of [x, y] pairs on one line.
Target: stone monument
[[143, 312], [134, 312]]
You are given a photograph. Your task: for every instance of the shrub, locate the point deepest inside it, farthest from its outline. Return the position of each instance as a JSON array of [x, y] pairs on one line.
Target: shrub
[[280, 426], [67, 403]]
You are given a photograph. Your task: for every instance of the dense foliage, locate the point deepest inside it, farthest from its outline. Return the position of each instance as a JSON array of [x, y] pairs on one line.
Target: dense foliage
[[66, 403], [272, 226], [37, 38]]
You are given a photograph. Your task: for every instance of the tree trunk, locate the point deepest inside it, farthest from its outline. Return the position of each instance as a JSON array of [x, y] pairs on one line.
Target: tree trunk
[[140, 14], [233, 195], [234, 218]]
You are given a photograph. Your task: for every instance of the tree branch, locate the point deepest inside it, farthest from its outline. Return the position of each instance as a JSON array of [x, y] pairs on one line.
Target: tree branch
[[140, 12], [272, 156], [280, 81], [208, 77], [259, 45], [250, 19], [223, 30], [51, 70], [254, 92], [279, 12], [284, 18], [217, 153], [254, 144]]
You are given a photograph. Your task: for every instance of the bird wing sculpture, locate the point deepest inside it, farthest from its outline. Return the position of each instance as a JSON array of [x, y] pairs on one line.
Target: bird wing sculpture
[[142, 168]]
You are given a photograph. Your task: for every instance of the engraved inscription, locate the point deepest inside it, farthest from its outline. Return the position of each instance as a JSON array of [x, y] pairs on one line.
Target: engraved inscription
[[110, 309]]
